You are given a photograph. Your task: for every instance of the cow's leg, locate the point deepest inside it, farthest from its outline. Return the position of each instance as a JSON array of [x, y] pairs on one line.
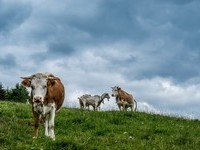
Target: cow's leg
[[84, 105], [124, 107], [135, 105], [94, 108], [119, 105], [132, 105], [37, 121], [51, 122], [46, 124]]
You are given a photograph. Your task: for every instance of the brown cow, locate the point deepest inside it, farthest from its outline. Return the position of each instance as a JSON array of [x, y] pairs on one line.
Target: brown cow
[[47, 97], [123, 99]]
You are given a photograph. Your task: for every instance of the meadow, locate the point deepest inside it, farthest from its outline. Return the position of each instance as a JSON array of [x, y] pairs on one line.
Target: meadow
[[77, 129]]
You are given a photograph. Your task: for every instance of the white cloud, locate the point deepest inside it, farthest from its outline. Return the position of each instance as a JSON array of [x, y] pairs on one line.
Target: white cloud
[[98, 46]]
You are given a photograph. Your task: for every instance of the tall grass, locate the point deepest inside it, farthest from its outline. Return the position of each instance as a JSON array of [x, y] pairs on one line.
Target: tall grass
[[81, 129]]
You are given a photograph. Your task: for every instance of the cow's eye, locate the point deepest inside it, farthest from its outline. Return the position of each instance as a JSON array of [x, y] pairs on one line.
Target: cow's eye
[[44, 86]]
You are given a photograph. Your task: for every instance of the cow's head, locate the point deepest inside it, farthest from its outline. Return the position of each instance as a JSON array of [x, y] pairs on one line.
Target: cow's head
[[105, 95], [39, 84], [115, 91]]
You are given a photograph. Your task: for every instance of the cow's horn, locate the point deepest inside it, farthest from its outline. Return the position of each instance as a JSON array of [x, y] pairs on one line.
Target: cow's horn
[[30, 77], [52, 78]]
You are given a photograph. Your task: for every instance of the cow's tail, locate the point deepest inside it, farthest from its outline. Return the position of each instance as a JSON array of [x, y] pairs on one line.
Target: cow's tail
[[135, 109]]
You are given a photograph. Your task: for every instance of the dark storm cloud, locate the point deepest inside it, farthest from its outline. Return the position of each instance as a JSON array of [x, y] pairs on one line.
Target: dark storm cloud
[[55, 50], [177, 26], [8, 62], [60, 49], [181, 66], [178, 2], [13, 14], [175, 20], [115, 20], [65, 31]]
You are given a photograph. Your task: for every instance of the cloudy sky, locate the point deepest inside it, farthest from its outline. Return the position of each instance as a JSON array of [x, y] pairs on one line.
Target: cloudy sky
[[150, 48]]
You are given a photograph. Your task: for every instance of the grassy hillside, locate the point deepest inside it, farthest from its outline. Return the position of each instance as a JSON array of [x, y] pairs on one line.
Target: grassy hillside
[[81, 129]]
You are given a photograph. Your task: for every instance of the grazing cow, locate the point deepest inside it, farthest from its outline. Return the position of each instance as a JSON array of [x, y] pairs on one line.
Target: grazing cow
[[95, 101], [47, 96], [82, 106], [123, 99]]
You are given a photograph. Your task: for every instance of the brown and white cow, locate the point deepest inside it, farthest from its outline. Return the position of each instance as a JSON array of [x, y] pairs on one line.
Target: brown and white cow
[[124, 99], [47, 97]]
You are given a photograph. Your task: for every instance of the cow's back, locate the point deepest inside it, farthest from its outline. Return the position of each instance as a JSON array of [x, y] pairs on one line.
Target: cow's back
[[125, 96], [56, 93]]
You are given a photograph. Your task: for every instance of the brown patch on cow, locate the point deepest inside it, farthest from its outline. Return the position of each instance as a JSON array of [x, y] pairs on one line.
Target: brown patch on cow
[[26, 82], [55, 93], [124, 96]]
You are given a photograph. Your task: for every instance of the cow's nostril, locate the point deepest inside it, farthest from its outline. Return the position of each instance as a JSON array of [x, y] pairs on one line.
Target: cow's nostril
[[37, 99]]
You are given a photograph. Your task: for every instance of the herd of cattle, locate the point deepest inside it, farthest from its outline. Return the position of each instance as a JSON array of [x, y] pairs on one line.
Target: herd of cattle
[[124, 100], [47, 97]]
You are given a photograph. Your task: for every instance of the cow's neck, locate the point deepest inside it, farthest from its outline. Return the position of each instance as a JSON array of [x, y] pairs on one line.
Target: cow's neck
[[101, 100], [45, 109], [117, 98], [48, 108], [120, 95]]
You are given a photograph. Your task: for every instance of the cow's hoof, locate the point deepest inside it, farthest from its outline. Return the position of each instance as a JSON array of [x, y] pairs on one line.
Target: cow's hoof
[[53, 138]]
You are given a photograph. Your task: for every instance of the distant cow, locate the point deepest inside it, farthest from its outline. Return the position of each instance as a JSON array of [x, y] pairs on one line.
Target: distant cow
[[82, 105], [95, 101], [27, 101], [123, 99], [47, 96]]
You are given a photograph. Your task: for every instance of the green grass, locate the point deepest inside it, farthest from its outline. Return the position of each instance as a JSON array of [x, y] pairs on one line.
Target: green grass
[[87, 130]]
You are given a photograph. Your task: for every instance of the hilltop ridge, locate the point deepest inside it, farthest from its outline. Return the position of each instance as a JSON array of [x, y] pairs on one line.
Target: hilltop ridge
[[83, 129]]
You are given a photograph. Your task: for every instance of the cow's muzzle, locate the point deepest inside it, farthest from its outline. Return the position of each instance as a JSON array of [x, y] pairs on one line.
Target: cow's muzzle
[[38, 107], [38, 104], [37, 99]]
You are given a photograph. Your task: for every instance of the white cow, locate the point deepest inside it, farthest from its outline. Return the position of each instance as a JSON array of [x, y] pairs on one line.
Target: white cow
[[95, 101]]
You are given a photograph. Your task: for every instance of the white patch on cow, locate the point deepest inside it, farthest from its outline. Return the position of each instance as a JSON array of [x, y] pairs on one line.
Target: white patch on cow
[[38, 107], [49, 114], [47, 108], [39, 87], [46, 126], [51, 121], [42, 109], [114, 91]]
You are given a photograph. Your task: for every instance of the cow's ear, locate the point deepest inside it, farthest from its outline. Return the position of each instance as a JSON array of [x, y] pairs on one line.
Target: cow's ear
[[26, 82], [119, 88], [51, 82]]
